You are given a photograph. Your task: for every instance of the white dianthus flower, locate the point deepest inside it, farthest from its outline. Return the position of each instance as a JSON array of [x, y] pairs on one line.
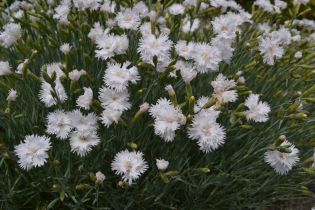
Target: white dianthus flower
[[200, 103], [110, 45], [114, 100], [282, 162], [270, 50], [301, 2], [265, 5], [12, 95], [190, 26], [100, 177], [208, 133], [97, 32], [10, 34], [58, 123], [85, 100], [83, 122], [54, 68], [161, 164], [81, 142], [184, 49], [222, 89], [75, 74], [5, 68], [108, 6], [46, 96], [258, 111], [110, 116], [176, 9], [187, 70], [117, 76], [128, 19], [298, 55], [32, 152], [206, 57], [167, 119], [62, 11], [65, 48], [130, 165], [151, 46]]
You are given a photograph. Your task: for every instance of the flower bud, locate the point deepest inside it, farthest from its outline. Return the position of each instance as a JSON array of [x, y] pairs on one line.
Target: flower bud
[[162, 164], [170, 90], [100, 177], [144, 107]]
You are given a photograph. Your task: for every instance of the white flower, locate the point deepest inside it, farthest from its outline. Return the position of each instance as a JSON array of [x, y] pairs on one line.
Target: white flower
[[151, 46], [97, 32], [19, 68], [283, 36], [298, 55], [100, 177], [45, 94], [83, 122], [58, 123], [176, 9], [130, 165], [12, 32], [208, 133], [270, 50], [170, 90], [114, 104], [190, 26], [85, 100], [184, 49], [54, 68], [264, 27], [223, 47], [87, 4], [108, 6], [301, 2], [117, 76], [32, 152], [206, 57], [81, 142], [144, 107], [222, 90], [110, 45], [279, 5], [225, 26], [62, 11], [114, 100], [282, 162], [200, 103], [65, 48], [5, 68], [75, 74], [167, 119], [110, 116], [141, 9], [161, 164], [258, 111], [128, 19], [12, 95], [187, 70], [265, 5]]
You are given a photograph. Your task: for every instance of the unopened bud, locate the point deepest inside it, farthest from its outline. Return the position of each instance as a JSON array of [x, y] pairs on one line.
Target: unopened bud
[[170, 90]]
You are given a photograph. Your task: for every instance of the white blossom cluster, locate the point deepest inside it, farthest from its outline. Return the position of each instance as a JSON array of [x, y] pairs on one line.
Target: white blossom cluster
[[180, 59]]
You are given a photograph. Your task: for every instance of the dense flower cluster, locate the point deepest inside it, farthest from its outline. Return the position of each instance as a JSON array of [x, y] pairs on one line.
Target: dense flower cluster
[[185, 70]]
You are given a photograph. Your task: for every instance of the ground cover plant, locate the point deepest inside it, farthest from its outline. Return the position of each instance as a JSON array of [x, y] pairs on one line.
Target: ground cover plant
[[195, 104]]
